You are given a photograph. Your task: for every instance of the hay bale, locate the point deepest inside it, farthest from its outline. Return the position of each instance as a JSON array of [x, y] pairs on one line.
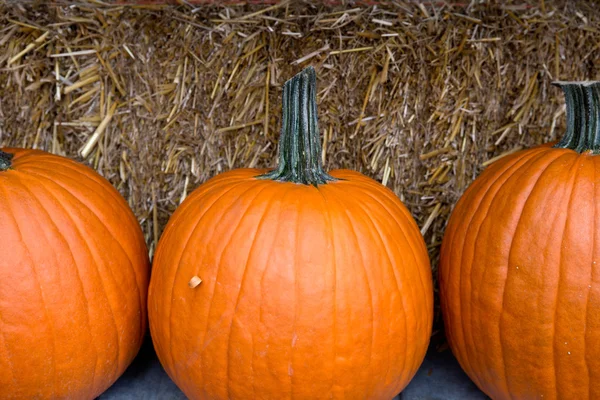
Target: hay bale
[[160, 98]]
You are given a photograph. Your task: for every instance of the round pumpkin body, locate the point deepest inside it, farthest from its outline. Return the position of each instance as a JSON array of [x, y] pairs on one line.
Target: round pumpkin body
[[520, 277], [73, 279], [307, 292]]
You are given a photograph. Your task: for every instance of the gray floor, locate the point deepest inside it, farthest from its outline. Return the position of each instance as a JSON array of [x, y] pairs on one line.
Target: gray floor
[[440, 378]]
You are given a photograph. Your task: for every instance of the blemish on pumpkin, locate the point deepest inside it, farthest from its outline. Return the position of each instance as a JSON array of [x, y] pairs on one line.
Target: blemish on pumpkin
[[194, 282]]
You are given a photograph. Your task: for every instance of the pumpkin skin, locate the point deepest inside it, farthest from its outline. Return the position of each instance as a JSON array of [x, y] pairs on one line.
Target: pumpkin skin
[[519, 268], [308, 291], [519, 273], [73, 280]]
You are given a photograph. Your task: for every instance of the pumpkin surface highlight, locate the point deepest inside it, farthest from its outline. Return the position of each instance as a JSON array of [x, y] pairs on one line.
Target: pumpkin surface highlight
[[519, 266], [294, 283], [73, 279]]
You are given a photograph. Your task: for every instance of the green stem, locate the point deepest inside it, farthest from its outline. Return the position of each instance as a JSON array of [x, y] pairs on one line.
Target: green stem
[[583, 116], [299, 143], [5, 161]]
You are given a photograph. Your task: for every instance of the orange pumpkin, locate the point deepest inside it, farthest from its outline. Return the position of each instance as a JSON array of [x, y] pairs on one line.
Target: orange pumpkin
[[73, 279], [294, 284], [520, 268]]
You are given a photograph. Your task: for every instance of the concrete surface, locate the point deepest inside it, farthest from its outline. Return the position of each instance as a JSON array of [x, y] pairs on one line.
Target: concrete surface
[[440, 378]]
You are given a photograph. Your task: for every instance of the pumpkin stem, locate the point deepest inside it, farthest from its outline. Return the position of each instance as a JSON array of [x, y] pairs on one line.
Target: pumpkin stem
[[5, 161], [299, 143], [583, 116]]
